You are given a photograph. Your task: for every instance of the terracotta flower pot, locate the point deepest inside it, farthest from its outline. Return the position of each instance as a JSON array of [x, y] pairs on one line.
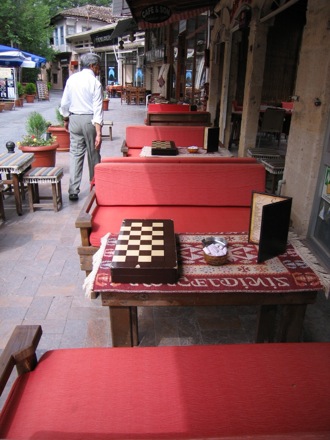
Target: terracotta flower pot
[[44, 156], [106, 104], [30, 98], [9, 105], [62, 137]]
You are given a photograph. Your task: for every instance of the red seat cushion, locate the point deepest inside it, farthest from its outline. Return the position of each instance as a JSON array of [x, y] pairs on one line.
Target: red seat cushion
[[141, 136], [172, 392]]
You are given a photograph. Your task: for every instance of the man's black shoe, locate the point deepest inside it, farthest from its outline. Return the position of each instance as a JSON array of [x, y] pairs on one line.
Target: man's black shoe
[[73, 197]]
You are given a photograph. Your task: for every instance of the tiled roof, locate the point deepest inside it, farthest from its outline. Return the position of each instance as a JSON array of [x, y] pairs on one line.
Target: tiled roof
[[100, 13]]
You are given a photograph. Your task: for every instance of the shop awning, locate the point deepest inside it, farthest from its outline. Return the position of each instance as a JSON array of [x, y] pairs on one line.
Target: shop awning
[[124, 27], [156, 13]]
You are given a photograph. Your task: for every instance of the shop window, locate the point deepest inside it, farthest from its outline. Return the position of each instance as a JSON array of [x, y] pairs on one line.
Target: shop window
[[62, 35], [56, 36], [319, 233], [70, 30]]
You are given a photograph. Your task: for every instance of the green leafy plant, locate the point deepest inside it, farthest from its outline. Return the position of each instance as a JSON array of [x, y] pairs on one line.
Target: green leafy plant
[[36, 127], [20, 89], [30, 89]]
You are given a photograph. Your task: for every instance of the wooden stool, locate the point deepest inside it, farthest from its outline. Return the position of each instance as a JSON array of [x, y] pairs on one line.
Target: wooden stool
[[38, 175], [110, 124], [2, 208]]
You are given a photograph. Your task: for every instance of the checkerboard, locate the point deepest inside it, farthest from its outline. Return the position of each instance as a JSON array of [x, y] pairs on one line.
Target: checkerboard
[[145, 252], [163, 148]]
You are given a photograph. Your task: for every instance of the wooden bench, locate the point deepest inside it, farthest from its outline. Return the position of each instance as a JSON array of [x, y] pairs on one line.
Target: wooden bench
[[211, 194], [179, 118], [139, 136], [241, 391], [43, 175], [110, 125], [162, 107]]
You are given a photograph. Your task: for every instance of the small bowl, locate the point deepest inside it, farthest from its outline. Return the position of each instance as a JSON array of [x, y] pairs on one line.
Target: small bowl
[[193, 149], [214, 260]]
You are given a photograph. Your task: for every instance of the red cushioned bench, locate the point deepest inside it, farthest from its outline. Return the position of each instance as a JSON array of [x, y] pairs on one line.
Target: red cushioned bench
[[139, 136], [161, 107], [243, 391], [199, 195]]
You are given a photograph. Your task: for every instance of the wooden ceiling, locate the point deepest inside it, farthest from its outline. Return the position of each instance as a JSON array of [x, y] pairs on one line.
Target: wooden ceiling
[[179, 10]]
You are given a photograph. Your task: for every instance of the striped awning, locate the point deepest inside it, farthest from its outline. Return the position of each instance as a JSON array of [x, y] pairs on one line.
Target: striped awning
[[157, 13]]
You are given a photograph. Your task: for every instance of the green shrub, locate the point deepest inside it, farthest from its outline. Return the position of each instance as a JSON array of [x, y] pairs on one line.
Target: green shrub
[[30, 89], [36, 125]]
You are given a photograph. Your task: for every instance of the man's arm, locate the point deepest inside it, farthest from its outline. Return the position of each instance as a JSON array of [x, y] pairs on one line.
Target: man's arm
[[98, 139]]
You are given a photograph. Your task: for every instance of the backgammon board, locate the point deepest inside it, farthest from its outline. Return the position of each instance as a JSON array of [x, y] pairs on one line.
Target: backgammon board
[[145, 252], [163, 148]]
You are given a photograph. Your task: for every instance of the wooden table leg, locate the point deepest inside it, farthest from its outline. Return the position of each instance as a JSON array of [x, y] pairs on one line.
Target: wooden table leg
[[123, 322], [292, 321], [17, 194], [266, 325]]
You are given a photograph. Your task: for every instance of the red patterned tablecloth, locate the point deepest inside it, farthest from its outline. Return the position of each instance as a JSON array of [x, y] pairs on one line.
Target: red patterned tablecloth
[[285, 273]]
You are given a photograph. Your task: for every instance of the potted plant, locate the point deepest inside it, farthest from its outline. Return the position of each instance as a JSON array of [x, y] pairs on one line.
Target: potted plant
[[20, 95], [60, 133], [106, 101], [30, 92], [36, 141]]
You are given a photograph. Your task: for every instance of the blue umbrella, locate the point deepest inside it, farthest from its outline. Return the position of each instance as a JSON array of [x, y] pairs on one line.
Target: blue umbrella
[[12, 57], [35, 58]]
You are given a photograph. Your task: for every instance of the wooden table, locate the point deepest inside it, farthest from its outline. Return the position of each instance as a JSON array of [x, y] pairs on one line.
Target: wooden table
[[13, 165], [285, 280]]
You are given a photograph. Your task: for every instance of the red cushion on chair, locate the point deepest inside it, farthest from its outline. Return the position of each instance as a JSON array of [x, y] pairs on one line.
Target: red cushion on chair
[[172, 392]]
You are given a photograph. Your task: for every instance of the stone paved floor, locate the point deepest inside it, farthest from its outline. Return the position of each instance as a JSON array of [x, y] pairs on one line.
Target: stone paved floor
[[41, 281]]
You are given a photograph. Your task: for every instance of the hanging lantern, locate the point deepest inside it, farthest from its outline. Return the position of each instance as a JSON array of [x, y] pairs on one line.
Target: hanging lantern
[[121, 45], [131, 37]]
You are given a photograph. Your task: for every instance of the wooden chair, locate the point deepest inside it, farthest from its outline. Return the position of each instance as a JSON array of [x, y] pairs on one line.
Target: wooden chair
[[132, 95], [141, 98], [123, 95], [272, 123]]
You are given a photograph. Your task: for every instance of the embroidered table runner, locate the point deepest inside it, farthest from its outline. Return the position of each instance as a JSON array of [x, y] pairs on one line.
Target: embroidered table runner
[[287, 272], [183, 152]]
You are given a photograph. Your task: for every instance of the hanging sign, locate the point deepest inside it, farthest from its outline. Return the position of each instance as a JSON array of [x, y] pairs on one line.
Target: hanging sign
[[156, 13]]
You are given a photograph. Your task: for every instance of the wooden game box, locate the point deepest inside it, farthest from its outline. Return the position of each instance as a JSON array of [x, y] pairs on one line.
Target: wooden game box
[[163, 148], [145, 252]]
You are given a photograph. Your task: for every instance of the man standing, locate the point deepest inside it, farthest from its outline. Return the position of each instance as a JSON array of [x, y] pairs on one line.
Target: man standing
[[81, 107]]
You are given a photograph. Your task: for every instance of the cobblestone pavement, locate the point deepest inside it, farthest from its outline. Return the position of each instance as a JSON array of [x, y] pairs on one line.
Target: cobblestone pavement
[[41, 281]]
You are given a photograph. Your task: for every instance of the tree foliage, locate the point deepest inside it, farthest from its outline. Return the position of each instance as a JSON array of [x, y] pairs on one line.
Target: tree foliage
[[25, 24]]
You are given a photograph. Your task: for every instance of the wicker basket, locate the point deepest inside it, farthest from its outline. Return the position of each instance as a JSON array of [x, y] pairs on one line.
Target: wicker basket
[[193, 150], [212, 259], [215, 261]]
